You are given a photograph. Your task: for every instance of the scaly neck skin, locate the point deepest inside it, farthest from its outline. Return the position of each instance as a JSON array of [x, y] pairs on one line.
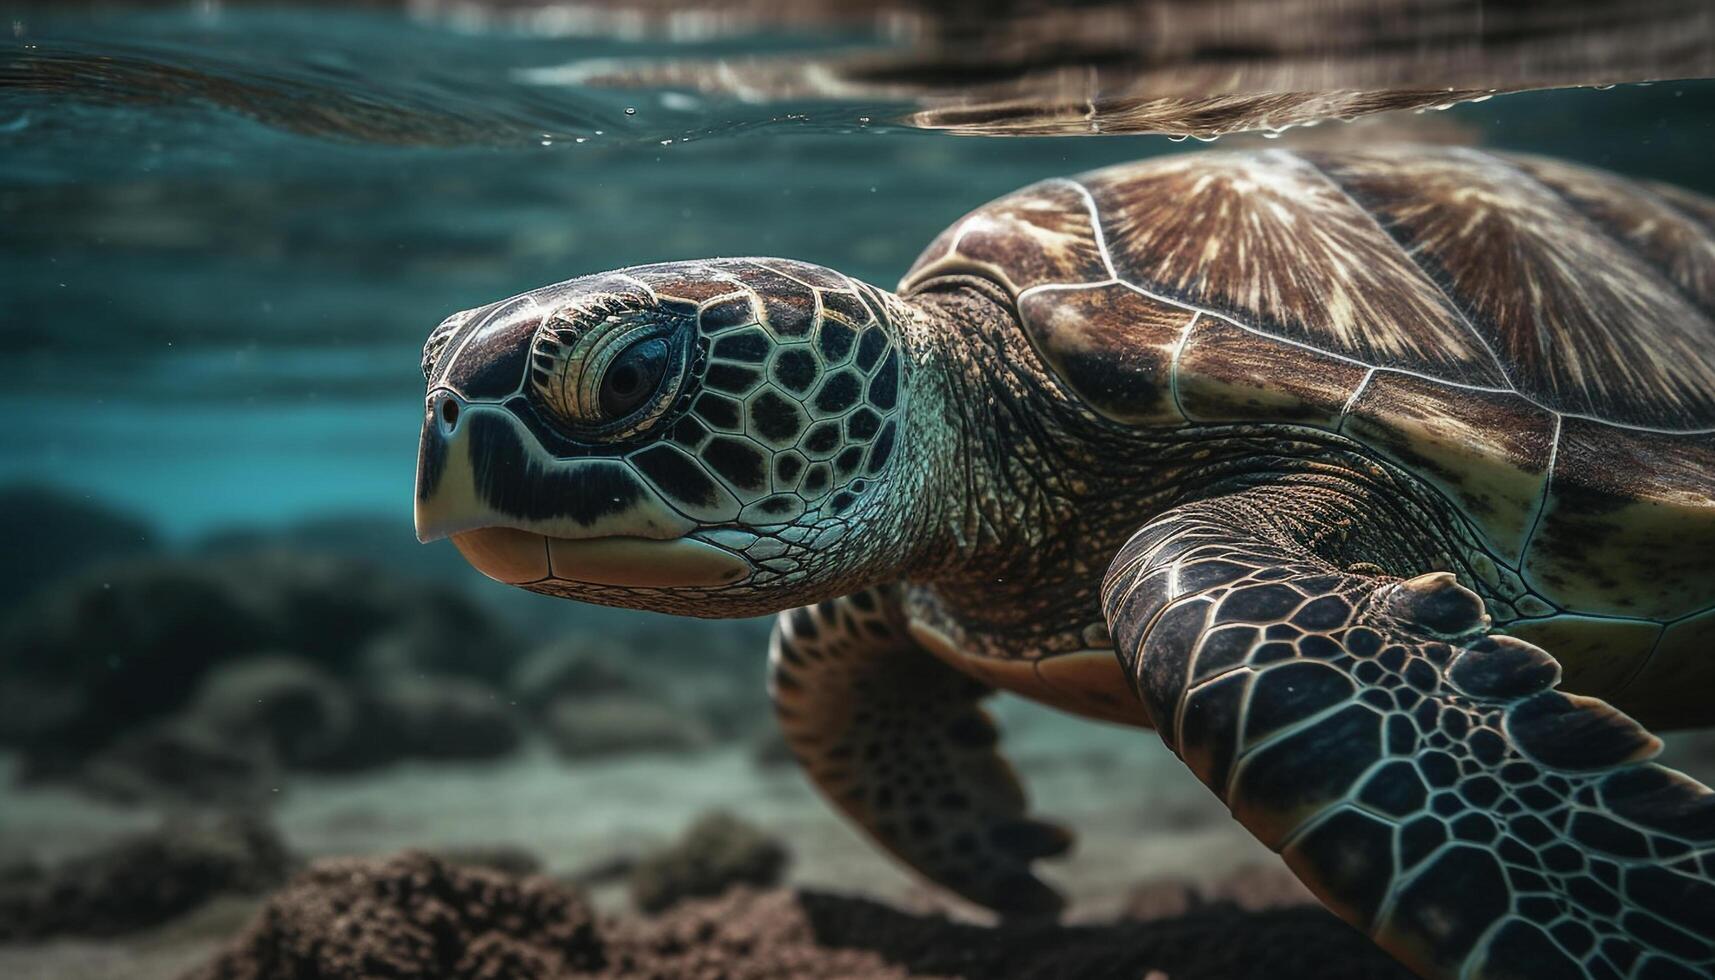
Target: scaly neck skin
[[1023, 486], [1003, 461]]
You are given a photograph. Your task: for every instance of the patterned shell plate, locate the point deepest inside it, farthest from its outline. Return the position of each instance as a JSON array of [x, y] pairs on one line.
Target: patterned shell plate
[[1535, 340]]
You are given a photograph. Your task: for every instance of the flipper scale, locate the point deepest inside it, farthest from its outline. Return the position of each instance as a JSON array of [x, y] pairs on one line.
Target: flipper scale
[[1421, 774], [899, 742]]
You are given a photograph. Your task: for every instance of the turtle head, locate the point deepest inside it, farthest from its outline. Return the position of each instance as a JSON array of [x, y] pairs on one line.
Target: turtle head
[[713, 438]]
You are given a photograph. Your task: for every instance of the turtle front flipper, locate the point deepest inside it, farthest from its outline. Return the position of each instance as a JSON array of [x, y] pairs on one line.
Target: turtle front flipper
[[1419, 773], [899, 742]]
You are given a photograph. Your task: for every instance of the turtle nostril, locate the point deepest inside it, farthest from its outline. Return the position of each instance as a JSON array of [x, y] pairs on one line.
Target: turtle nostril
[[449, 412]]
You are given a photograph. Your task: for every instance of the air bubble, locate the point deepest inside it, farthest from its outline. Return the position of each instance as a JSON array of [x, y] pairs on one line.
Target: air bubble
[[631, 110]]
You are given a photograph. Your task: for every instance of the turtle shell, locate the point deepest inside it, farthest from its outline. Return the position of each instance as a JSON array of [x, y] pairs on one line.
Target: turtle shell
[[1534, 340]]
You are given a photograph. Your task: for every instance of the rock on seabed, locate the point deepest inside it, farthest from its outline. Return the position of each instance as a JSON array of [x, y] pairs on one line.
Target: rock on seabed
[[414, 916]]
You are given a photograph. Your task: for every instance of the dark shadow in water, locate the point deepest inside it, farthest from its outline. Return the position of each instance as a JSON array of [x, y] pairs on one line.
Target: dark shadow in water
[[1215, 942]]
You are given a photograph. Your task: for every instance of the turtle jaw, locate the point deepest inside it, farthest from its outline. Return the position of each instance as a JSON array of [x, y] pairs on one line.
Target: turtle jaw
[[519, 557], [525, 518]]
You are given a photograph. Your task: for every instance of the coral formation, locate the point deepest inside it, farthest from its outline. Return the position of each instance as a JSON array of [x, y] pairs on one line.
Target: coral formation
[[142, 881], [716, 852], [414, 915], [117, 647]]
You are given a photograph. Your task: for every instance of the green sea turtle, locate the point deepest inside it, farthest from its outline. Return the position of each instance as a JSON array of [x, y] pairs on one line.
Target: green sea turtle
[[1379, 483]]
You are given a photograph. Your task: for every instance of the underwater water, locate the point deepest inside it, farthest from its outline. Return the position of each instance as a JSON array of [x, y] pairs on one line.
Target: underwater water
[[225, 232], [213, 308]]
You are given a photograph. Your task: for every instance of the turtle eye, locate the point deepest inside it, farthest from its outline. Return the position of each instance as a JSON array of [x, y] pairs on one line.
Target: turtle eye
[[611, 379], [632, 377]]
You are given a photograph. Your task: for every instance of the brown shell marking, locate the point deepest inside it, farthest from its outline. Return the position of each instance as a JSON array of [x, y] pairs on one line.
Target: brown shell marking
[[1700, 209], [1580, 323], [1228, 373], [1112, 345], [1487, 451], [1658, 221], [1266, 239], [1041, 234], [1581, 291], [1625, 527]]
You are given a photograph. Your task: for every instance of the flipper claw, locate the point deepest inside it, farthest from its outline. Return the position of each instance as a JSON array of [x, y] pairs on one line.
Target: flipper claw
[[1438, 604]]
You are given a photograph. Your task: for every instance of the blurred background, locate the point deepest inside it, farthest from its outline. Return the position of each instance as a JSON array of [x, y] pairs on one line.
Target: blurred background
[[226, 229]]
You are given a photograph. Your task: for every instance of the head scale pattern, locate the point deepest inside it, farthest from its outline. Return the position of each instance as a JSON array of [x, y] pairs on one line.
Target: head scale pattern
[[796, 410], [775, 413]]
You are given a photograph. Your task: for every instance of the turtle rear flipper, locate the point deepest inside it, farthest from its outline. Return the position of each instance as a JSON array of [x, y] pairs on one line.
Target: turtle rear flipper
[[1421, 774], [899, 742]]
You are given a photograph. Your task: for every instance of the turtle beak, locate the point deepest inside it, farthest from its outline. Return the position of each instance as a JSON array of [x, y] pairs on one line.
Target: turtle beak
[[435, 507], [521, 515], [477, 467]]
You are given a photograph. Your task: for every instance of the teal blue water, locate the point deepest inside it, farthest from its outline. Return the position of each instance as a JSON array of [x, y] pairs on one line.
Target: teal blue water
[[224, 235]]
